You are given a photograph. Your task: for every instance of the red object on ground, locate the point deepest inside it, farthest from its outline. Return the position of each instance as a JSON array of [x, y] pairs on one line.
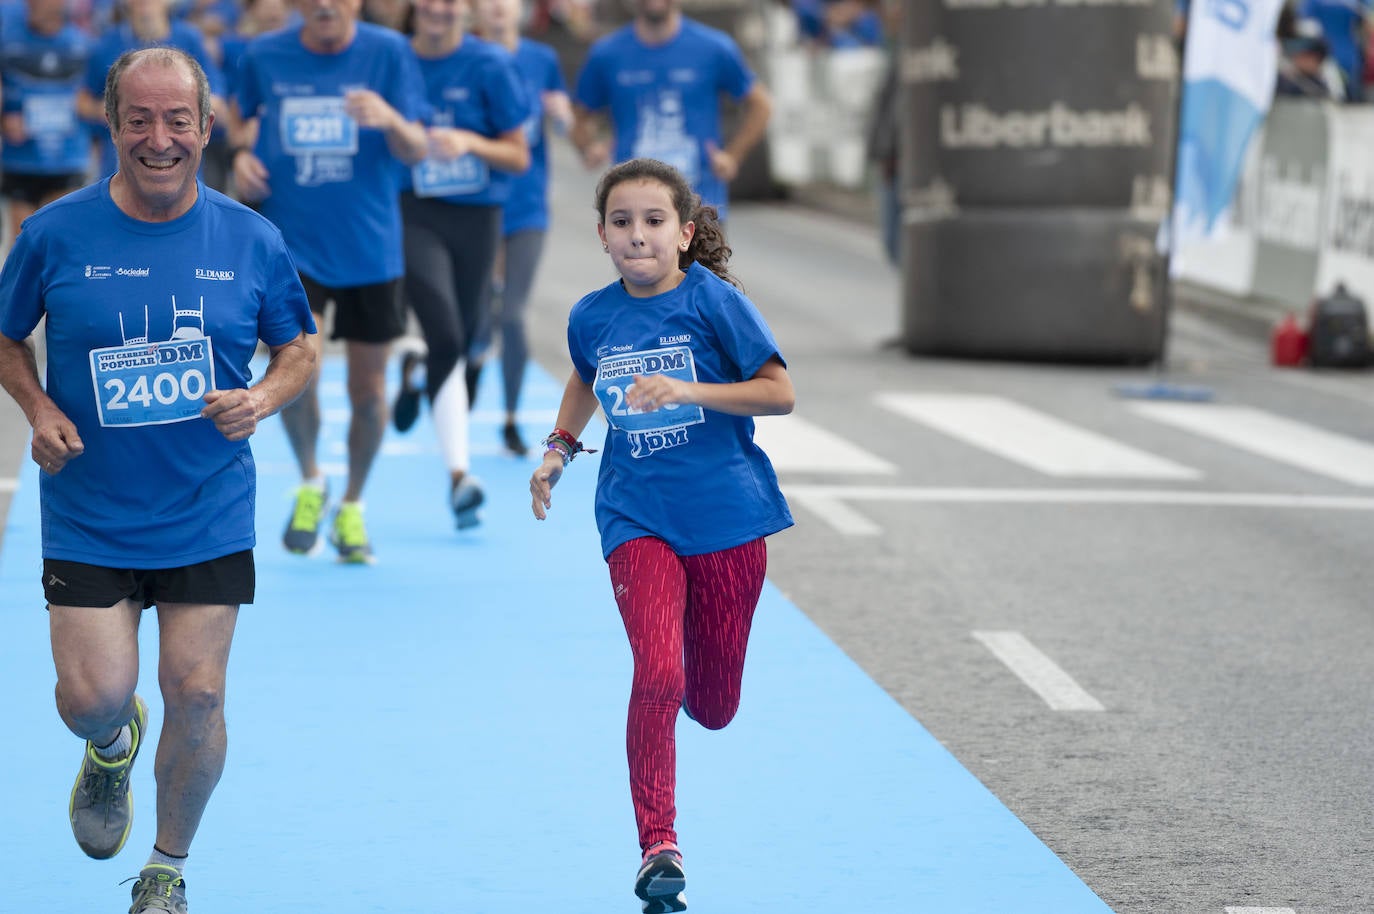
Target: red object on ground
[[1288, 342]]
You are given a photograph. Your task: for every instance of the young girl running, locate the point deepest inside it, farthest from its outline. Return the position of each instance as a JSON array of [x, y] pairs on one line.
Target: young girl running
[[680, 361]]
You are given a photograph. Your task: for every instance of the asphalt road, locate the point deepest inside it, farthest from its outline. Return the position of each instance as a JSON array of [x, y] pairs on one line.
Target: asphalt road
[[1160, 664]]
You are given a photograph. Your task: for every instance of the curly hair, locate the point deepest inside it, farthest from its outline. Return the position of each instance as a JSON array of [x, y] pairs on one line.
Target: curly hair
[[708, 246]]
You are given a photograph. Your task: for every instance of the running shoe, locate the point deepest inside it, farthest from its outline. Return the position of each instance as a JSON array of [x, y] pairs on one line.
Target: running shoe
[[406, 409], [349, 534], [302, 534], [510, 434], [159, 888], [101, 808], [662, 882], [466, 497]]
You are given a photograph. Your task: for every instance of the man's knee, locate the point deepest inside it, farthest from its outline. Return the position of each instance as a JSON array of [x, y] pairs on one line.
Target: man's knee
[[93, 708]]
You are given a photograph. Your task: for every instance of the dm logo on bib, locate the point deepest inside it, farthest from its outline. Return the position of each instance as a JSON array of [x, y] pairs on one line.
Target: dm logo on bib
[[657, 429], [143, 383]]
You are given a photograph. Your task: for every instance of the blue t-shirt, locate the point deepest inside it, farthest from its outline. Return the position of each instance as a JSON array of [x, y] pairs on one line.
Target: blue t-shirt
[[692, 477], [528, 204], [664, 100], [335, 185], [39, 76], [120, 38], [476, 88], [142, 319]]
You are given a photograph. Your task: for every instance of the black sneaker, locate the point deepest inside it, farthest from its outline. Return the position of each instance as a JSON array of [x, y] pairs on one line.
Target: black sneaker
[[662, 882], [465, 498], [510, 435], [406, 409]]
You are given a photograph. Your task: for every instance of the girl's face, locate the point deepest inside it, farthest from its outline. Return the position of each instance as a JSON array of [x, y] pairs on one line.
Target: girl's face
[[644, 237]]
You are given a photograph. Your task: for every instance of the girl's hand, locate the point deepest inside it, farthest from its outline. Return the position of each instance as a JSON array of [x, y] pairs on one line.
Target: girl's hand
[[543, 481], [655, 391]]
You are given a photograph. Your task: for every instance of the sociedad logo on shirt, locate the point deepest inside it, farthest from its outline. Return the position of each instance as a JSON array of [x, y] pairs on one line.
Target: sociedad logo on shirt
[[144, 383], [317, 124], [657, 429]]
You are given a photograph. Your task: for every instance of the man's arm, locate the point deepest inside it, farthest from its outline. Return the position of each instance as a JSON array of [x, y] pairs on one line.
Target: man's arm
[[55, 440], [756, 108], [588, 136], [237, 412]]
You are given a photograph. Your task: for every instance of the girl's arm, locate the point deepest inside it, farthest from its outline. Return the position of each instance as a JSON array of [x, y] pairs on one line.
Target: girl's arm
[[578, 406], [768, 393]]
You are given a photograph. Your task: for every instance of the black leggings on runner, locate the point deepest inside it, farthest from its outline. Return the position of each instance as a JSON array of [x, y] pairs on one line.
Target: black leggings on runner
[[449, 251]]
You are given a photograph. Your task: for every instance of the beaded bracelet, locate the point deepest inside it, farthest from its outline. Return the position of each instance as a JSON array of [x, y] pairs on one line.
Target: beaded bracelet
[[566, 444]]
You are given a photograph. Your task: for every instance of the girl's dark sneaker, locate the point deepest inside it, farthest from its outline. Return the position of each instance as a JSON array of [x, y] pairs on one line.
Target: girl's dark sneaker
[[510, 436], [662, 882], [406, 409]]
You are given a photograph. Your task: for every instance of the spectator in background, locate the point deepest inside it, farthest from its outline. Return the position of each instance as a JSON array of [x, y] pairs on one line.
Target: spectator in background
[[1343, 25], [839, 23], [1302, 66]]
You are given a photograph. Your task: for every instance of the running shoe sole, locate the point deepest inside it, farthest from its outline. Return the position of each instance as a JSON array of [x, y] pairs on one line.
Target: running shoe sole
[[662, 884]]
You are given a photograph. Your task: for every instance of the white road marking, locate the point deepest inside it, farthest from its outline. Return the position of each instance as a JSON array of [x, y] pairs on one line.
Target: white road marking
[[826, 501], [1032, 438], [1040, 673], [797, 446], [1285, 440], [1233, 910], [9, 485]]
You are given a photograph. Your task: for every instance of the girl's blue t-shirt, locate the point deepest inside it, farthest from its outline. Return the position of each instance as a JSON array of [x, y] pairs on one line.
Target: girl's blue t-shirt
[[664, 100], [335, 184], [528, 204], [476, 88], [689, 476], [39, 76], [142, 319]]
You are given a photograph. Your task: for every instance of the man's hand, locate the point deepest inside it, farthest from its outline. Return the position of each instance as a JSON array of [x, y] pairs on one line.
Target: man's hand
[[234, 412]]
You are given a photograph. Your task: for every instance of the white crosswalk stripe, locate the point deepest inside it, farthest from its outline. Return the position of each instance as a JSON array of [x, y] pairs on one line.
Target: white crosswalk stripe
[[795, 445], [1275, 437], [1031, 438]]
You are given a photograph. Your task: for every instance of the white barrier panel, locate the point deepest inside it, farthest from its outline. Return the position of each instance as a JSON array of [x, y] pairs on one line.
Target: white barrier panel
[[1303, 218]]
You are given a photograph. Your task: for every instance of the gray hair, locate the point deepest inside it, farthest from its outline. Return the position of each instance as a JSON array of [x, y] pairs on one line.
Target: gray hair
[[167, 57]]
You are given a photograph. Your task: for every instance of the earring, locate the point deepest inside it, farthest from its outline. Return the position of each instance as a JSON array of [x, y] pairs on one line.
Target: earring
[[606, 248], [684, 246]]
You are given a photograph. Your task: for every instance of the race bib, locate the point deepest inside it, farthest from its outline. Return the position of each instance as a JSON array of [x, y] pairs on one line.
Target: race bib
[[49, 115], [467, 174], [317, 125], [152, 383], [679, 152], [615, 376]]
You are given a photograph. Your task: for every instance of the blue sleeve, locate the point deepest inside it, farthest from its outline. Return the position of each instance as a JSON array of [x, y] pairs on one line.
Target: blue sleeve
[[733, 71], [744, 335], [21, 289], [98, 66], [553, 73], [247, 83], [408, 94], [287, 311], [510, 102], [592, 91]]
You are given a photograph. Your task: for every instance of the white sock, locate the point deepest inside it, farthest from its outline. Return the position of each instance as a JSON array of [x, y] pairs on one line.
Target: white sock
[[161, 859], [121, 745]]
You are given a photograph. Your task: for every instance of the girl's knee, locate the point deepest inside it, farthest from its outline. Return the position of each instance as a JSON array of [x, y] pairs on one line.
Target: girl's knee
[[712, 716]]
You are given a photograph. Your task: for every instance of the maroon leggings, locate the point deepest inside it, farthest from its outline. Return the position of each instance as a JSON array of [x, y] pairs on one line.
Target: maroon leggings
[[688, 621]]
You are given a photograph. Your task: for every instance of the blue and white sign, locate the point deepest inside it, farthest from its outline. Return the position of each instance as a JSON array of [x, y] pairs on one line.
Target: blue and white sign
[[467, 174], [1230, 65], [615, 376], [152, 383], [317, 125]]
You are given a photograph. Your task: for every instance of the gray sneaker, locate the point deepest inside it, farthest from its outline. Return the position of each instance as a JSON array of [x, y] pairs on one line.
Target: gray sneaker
[[466, 498], [102, 805], [159, 888]]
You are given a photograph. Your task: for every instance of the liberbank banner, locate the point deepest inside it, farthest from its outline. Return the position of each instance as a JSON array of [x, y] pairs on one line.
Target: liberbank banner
[[1037, 148]]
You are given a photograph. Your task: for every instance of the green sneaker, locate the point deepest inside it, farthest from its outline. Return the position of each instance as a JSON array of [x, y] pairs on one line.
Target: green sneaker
[[302, 534], [102, 804], [159, 888], [349, 535]]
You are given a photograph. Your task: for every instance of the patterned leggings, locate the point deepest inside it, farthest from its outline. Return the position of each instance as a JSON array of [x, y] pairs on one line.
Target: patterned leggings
[[688, 620]]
